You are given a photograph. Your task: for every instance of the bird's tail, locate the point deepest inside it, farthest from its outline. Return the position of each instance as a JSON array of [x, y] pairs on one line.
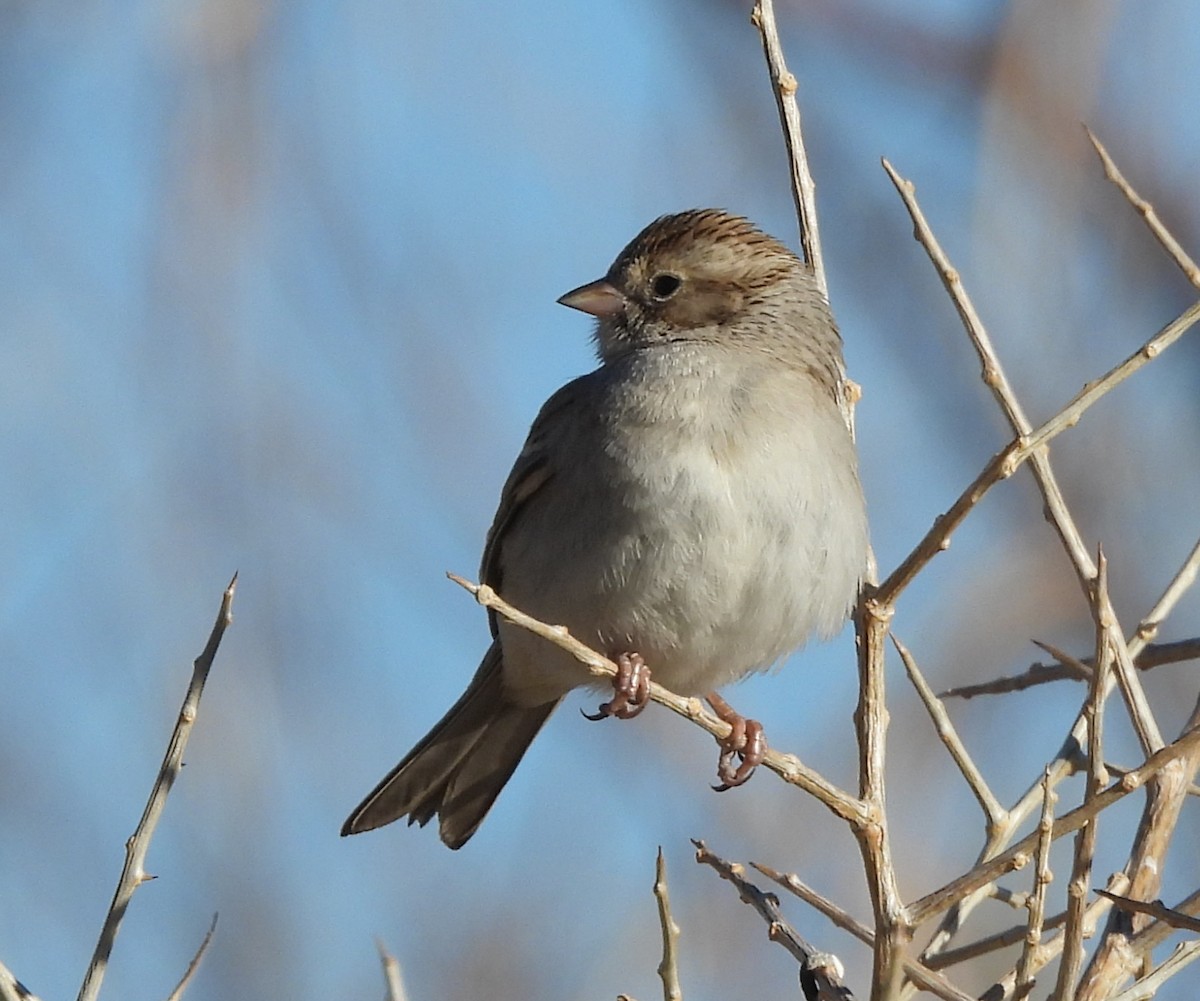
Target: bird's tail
[[459, 768]]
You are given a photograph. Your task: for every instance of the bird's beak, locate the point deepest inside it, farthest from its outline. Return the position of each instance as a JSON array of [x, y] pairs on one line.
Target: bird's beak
[[598, 298]]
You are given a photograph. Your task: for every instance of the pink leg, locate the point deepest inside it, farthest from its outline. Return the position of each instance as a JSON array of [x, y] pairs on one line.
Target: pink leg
[[631, 689], [745, 740]]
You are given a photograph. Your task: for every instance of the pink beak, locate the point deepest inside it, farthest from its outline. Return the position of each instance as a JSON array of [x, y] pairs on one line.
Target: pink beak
[[598, 298]]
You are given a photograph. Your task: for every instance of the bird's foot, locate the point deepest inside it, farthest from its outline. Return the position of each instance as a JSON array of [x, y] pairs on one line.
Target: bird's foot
[[745, 741], [631, 689]]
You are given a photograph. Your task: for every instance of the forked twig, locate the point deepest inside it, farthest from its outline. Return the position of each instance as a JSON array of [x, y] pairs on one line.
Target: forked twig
[[1018, 856], [923, 976], [823, 982]]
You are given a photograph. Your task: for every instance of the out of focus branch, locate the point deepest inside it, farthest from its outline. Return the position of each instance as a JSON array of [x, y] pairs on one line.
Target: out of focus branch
[[11, 989], [1146, 211], [391, 973], [1068, 669], [194, 965]]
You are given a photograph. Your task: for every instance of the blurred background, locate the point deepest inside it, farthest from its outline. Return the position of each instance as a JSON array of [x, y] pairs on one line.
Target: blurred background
[[277, 290]]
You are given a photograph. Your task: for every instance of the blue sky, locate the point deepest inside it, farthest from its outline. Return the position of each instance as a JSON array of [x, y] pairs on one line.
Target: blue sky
[[278, 293]]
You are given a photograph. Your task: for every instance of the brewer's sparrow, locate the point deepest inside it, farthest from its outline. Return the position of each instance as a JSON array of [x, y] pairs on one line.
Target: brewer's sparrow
[[692, 507]]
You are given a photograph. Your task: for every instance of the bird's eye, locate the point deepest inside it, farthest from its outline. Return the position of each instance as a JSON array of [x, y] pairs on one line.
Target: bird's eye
[[665, 285]]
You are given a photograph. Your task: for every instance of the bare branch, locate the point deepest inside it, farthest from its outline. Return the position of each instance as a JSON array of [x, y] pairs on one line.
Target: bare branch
[[825, 971], [1158, 932], [993, 812], [1029, 445], [1178, 586], [923, 976], [668, 968], [1145, 989], [11, 989], [1071, 668], [1085, 840], [134, 874], [786, 766], [194, 965], [893, 930], [1115, 959], [1017, 856], [1156, 909], [1006, 986], [1056, 507], [804, 188], [1028, 963], [391, 973], [989, 943], [1146, 211]]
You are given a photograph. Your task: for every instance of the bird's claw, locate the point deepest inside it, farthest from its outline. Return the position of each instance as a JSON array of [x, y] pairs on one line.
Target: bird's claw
[[631, 690], [745, 741]]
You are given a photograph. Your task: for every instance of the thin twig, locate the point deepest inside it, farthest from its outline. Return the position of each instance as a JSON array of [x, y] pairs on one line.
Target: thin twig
[[668, 968], [994, 813], [1144, 653], [133, 874], [1065, 764], [1145, 989], [923, 976], [1071, 668], [1115, 959], [837, 915], [1158, 932], [1146, 211], [824, 980], [1005, 988], [194, 965], [989, 943], [786, 766], [1097, 778], [804, 188], [1055, 504], [1017, 856], [1027, 964], [1176, 588], [1155, 909], [1027, 446]]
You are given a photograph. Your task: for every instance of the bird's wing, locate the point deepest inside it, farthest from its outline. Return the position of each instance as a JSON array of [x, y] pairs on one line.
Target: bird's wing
[[535, 467]]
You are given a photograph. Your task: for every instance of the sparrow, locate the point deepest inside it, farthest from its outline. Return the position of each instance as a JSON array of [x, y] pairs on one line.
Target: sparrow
[[690, 508]]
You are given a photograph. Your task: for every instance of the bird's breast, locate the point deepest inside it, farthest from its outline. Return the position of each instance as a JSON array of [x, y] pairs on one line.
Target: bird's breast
[[708, 528]]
